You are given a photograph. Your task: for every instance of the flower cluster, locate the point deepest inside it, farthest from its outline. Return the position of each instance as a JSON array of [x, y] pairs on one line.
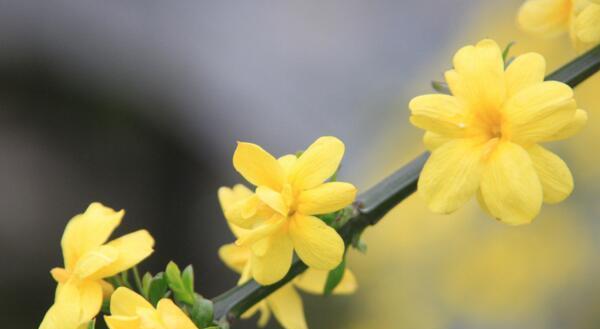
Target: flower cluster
[[581, 18], [485, 137]]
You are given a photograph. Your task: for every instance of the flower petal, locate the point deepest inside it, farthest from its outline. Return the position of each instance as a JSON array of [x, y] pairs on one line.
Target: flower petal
[[587, 24], [88, 231], [125, 302], [172, 316], [93, 261], [510, 185], [318, 162], [247, 212], [275, 261], [442, 114], [265, 313], [313, 281], [546, 17], [229, 196], [287, 162], [433, 140], [122, 322], [91, 299], [132, 249], [480, 70], [554, 175], [272, 199], [451, 175], [66, 311], [287, 307], [572, 128], [524, 71], [317, 244], [326, 198], [235, 257], [265, 229], [257, 166], [539, 111]]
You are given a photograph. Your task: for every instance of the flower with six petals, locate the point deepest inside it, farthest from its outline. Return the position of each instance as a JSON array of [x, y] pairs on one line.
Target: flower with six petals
[[280, 216], [485, 137], [89, 260]]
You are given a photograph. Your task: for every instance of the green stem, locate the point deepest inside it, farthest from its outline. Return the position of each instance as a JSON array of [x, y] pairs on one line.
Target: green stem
[[378, 201]]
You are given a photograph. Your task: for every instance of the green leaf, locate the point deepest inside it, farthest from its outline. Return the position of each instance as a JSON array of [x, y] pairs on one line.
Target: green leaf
[[188, 278], [507, 51], [201, 312], [146, 284], [334, 278], [92, 324], [157, 288], [173, 275], [441, 87]]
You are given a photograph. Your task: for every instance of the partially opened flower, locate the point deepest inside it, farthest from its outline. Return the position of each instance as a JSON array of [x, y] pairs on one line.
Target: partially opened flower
[[285, 303], [281, 215], [131, 311], [581, 18], [89, 259], [485, 137]]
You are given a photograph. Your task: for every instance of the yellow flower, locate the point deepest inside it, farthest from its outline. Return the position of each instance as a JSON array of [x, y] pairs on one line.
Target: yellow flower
[[89, 259], [290, 191], [484, 138], [131, 311], [67, 311], [581, 18], [285, 303]]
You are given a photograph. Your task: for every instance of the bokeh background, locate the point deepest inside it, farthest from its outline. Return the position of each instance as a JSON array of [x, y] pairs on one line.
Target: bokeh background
[[138, 105]]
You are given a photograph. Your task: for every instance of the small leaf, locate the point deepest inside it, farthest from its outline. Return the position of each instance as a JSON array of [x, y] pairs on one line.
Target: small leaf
[[188, 279], [146, 284], [201, 312], [173, 275], [157, 288], [334, 278], [507, 50], [440, 87]]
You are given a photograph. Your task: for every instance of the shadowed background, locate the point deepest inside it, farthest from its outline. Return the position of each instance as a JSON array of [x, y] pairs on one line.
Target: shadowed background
[[138, 105]]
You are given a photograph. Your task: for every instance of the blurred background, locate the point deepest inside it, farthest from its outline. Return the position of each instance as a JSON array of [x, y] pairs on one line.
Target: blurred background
[[139, 104]]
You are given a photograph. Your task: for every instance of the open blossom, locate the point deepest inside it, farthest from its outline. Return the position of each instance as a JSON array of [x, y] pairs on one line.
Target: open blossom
[[581, 18], [88, 259], [131, 311], [485, 137], [285, 303], [280, 216]]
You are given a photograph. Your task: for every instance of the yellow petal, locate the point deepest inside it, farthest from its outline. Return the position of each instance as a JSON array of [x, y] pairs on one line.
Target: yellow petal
[[326, 198], [587, 24], [442, 114], [275, 261], [554, 175], [132, 249], [265, 313], [235, 257], [94, 260], [510, 186], [88, 231], [264, 230], [287, 162], [481, 72], [538, 112], [287, 307], [229, 196], [272, 199], [451, 175], [573, 127], [66, 311], [122, 322], [524, 71], [107, 289], [247, 212], [172, 316], [91, 299], [125, 302], [258, 166], [318, 162], [313, 281], [317, 244], [433, 140], [545, 17]]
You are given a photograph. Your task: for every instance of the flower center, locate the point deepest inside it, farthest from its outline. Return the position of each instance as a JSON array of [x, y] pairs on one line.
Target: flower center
[[289, 198], [491, 125]]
